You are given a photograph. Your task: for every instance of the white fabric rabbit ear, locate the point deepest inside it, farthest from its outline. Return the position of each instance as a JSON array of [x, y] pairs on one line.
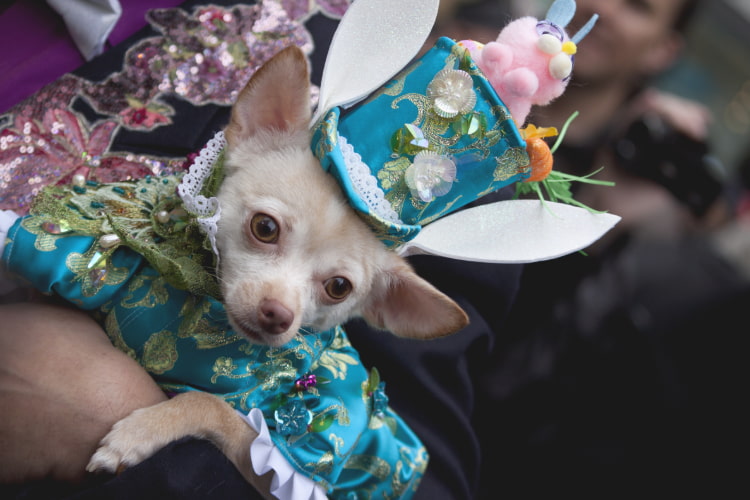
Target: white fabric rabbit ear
[[374, 40], [513, 231]]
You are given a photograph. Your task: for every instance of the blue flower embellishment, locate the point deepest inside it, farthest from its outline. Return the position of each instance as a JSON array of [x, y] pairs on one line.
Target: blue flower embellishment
[[293, 418], [379, 400]]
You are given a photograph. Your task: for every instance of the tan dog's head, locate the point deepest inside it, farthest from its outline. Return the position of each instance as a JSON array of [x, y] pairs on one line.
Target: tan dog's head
[[293, 253]]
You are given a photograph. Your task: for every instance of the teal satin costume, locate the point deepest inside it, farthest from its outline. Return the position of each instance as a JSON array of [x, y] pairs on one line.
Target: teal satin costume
[[327, 414]]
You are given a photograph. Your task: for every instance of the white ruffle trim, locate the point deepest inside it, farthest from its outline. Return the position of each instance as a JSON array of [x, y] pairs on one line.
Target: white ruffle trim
[[7, 219], [366, 184], [287, 483], [207, 209]]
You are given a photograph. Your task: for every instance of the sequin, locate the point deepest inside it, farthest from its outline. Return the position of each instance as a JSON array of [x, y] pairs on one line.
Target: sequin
[[472, 124], [72, 153], [98, 276], [97, 260], [205, 57], [56, 227], [140, 116], [409, 140]]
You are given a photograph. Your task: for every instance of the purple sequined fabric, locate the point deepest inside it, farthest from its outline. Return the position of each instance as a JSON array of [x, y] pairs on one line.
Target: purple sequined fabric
[[205, 56]]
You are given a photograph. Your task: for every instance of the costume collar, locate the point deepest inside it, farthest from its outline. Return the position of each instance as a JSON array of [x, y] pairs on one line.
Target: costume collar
[[199, 186]]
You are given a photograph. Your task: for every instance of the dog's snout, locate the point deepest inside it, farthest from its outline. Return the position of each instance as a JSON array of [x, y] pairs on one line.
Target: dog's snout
[[275, 317]]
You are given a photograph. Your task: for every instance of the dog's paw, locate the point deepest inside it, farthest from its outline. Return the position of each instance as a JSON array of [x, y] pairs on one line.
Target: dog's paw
[[131, 441]]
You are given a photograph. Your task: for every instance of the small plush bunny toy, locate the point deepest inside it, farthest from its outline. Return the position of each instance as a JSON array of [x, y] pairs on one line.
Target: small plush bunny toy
[[531, 60]]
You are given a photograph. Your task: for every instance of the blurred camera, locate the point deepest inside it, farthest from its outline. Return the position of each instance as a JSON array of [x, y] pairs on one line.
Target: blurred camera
[[653, 149]]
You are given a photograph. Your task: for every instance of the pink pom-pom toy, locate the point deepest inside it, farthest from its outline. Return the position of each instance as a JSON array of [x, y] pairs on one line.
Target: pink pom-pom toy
[[530, 62]]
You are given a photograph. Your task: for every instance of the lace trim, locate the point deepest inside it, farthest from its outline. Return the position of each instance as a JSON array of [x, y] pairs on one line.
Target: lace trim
[[366, 184], [207, 210], [287, 483]]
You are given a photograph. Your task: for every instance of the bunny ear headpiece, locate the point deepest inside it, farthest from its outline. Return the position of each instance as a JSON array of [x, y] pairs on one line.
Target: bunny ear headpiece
[[431, 140], [374, 40]]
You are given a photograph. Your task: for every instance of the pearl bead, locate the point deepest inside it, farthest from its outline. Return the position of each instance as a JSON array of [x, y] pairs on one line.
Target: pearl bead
[[79, 180], [109, 240], [162, 216]]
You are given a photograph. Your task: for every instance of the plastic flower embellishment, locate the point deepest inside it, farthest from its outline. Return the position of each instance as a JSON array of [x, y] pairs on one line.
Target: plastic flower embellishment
[[452, 93], [379, 400], [430, 175], [293, 418]]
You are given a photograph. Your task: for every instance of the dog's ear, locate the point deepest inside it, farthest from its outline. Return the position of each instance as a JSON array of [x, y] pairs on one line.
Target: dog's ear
[[409, 306], [277, 97]]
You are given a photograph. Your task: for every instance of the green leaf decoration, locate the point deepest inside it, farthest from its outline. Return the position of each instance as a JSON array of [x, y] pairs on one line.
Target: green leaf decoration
[[321, 423], [374, 380]]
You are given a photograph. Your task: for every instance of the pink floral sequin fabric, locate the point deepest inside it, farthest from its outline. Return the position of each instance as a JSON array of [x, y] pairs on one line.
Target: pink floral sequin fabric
[[201, 56]]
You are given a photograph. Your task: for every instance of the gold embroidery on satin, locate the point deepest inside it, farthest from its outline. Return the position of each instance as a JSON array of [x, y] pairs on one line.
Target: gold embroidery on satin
[[392, 173], [112, 327], [381, 228], [338, 443], [323, 466], [86, 266], [447, 208], [511, 163], [327, 129], [160, 352], [371, 464], [419, 463], [398, 487], [274, 372], [47, 208], [223, 367], [195, 325], [156, 293], [44, 241], [339, 411], [299, 350], [334, 361], [268, 375], [375, 423], [395, 86]]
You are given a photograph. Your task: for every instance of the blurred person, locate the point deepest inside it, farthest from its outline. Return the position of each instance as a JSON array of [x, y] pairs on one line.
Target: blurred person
[[619, 370], [634, 42]]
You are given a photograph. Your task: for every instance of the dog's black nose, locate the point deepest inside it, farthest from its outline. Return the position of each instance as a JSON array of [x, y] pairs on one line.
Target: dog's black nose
[[274, 317]]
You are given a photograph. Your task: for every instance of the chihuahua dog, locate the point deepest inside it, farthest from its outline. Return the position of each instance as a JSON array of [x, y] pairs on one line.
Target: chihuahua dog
[[293, 255]]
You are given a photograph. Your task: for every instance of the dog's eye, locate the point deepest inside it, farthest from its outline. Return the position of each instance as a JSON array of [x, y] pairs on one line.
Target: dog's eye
[[264, 228], [338, 288]]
